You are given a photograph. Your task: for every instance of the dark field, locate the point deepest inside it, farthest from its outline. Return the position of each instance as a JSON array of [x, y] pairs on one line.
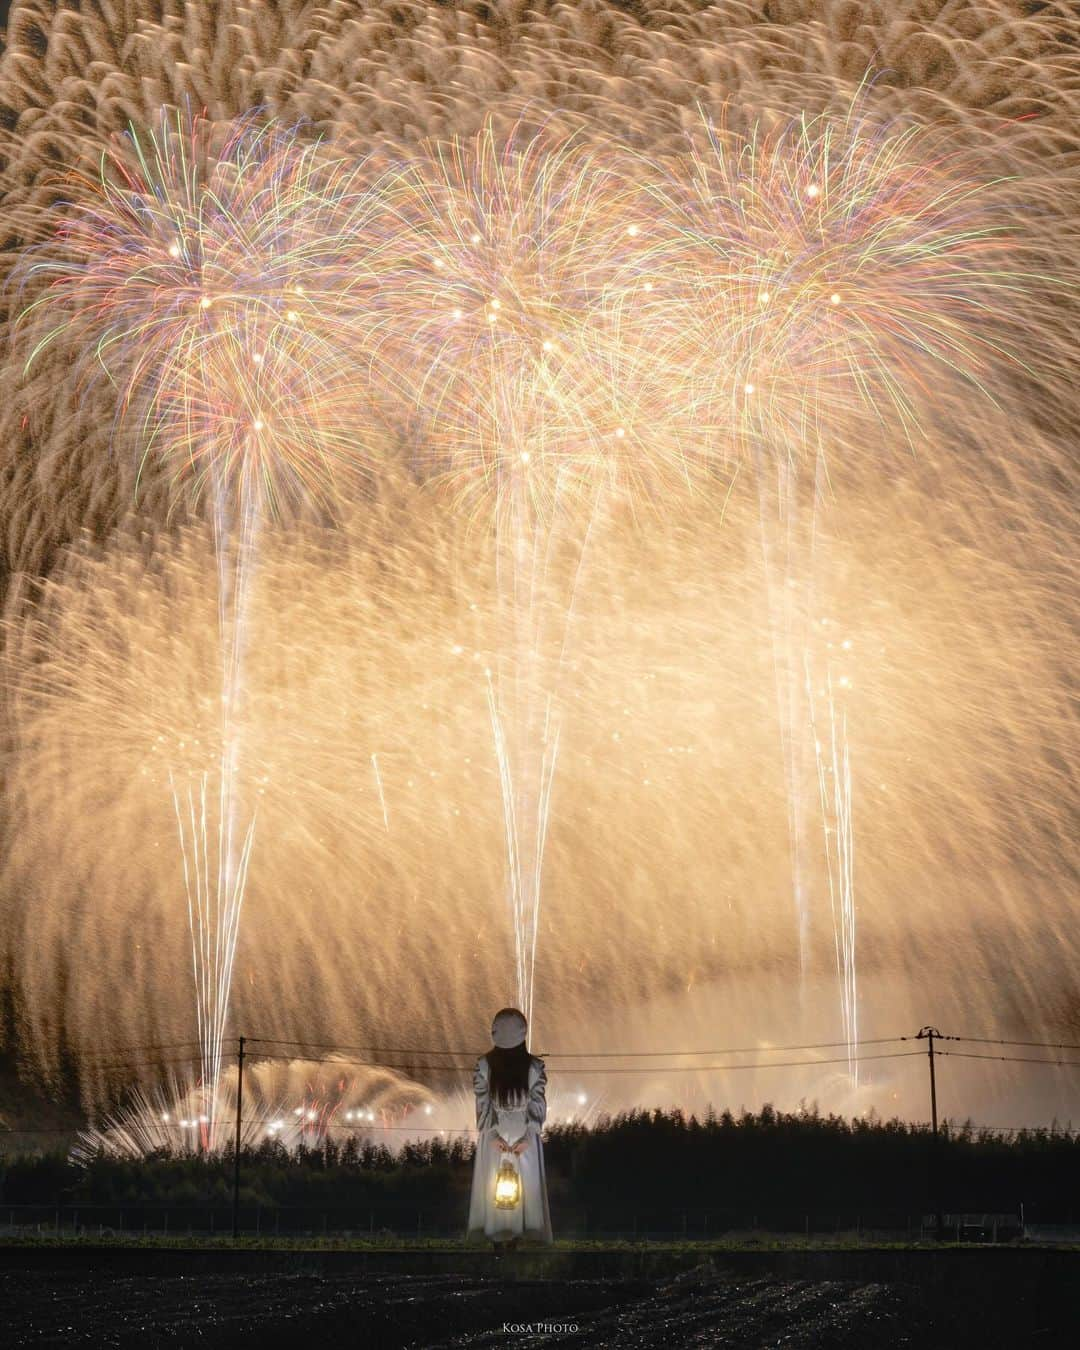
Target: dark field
[[221, 1310], [978, 1303]]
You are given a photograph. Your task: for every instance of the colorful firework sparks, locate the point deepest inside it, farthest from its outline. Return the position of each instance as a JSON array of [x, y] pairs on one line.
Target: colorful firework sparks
[[216, 276], [534, 401], [525, 382], [829, 274], [830, 278], [222, 289]]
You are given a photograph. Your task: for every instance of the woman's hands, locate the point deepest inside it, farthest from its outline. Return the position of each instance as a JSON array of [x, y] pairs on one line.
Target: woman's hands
[[516, 1149]]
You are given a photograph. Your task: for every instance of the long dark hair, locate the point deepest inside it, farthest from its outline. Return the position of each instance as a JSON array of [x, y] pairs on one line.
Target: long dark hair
[[509, 1074]]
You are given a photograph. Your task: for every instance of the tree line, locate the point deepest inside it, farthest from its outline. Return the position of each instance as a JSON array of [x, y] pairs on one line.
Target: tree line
[[638, 1167]]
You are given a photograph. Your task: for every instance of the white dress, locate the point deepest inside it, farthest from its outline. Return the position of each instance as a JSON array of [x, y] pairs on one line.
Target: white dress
[[523, 1120]]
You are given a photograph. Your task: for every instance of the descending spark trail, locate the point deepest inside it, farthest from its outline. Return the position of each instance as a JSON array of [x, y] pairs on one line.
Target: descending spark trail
[[824, 299], [833, 758], [527, 391], [835, 277], [379, 787], [217, 285], [215, 876], [787, 539]]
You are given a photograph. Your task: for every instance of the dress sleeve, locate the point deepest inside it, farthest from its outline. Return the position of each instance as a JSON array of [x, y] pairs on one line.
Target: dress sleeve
[[485, 1114], [537, 1110]]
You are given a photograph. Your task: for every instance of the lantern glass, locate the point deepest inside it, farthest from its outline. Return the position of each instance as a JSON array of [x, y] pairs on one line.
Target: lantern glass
[[507, 1187]]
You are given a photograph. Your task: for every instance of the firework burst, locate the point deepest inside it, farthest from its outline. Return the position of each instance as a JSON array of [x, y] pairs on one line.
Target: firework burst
[[217, 276], [946, 551], [534, 402], [837, 283], [832, 276], [291, 1104], [217, 281]]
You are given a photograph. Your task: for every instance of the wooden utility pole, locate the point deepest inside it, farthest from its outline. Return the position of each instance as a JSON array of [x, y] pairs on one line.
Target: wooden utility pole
[[928, 1034], [236, 1141]]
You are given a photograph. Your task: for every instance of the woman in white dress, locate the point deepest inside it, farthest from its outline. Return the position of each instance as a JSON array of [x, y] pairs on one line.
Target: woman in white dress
[[510, 1110]]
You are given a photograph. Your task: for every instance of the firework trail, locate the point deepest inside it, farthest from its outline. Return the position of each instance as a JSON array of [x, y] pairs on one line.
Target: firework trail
[[950, 564], [217, 289], [667, 744], [832, 753], [837, 277], [529, 397]]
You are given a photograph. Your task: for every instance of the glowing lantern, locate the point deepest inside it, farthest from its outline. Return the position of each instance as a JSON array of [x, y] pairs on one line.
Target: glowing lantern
[[507, 1186]]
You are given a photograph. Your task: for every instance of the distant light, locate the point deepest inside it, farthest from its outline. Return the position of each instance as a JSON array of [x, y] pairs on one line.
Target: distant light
[[258, 424], [205, 302], [457, 313], [475, 238], [165, 1117], [648, 286], [496, 304], [834, 299], [299, 1111], [748, 388], [581, 1099], [548, 345], [524, 456], [813, 190], [371, 1115], [764, 298], [633, 230], [311, 1115], [257, 358], [428, 1109], [291, 315], [174, 250], [846, 644], [620, 432]]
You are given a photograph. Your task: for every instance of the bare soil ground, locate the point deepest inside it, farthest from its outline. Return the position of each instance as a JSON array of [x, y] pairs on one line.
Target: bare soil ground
[[697, 1309]]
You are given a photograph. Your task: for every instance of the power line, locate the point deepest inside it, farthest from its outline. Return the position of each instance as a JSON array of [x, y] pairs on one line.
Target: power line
[[595, 1054], [166, 1045], [1009, 1059], [730, 1050], [146, 1063], [587, 1054], [1033, 1045], [659, 1068], [772, 1064], [409, 1064]]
